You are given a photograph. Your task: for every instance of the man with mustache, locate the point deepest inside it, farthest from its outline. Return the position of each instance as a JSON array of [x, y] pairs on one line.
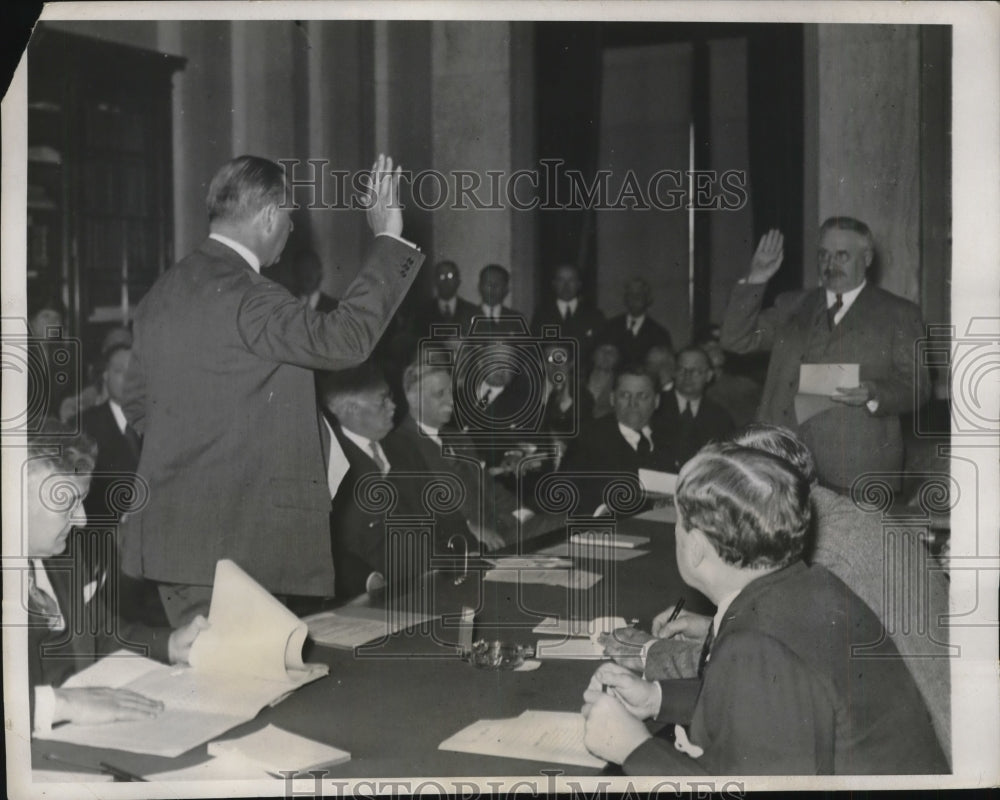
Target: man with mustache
[[846, 320]]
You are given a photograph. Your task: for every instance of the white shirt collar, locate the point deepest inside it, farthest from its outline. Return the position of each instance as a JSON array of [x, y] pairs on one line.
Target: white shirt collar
[[447, 305], [493, 312], [42, 582], [119, 415], [434, 434], [366, 445], [847, 298], [683, 401], [632, 436], [248, 255], [566, 304], [631, 322]]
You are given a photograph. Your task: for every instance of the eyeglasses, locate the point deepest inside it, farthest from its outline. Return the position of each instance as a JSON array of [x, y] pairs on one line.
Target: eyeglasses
[[839, 257]]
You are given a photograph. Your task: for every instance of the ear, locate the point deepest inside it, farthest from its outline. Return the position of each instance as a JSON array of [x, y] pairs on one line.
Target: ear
[[869, 257], [267, 217], [656, 401], [697, 545]]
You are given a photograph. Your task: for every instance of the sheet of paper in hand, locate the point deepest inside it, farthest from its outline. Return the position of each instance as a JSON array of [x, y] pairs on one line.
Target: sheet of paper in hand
[[818, 383], [249, 657]]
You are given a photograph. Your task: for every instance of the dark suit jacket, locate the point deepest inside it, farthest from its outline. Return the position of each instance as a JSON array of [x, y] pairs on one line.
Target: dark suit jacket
[[878, 332], [221, 387], [360, 529], [116, 460], [687, 438], [511, 323], [584, 326], [430, 315], [782, 694], [602, 451], [633, 349], [83, 582]]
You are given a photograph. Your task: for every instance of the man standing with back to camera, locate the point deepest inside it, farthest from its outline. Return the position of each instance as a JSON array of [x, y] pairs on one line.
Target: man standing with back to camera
[[846, 320], [221, 387]]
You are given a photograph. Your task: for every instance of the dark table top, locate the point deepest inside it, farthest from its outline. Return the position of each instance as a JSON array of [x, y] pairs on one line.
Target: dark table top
[[391, 705]]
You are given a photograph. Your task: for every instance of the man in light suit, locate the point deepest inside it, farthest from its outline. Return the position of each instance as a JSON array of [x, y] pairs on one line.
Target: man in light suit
[[221, 387], [845, 320], [777, 692]]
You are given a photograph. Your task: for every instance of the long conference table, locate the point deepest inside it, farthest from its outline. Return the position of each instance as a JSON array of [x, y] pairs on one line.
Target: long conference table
[[391, 705]]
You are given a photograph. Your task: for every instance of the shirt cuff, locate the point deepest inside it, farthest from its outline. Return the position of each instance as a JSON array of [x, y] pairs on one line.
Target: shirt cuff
[[407, 242], [658, 695], [45, 709]]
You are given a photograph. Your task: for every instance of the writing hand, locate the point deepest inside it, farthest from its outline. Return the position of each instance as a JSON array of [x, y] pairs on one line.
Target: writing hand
[[98, 704], [641, 698], [768, 257], [179, 644], [384, 213], [854, 396], [610, 731], [686, 626]]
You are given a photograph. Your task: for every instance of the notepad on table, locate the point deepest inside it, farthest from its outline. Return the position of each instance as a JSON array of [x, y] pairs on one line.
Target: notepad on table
[[353, 626], [656, 482], [249, 657], [567, 578], [608, 539], [552, 736]]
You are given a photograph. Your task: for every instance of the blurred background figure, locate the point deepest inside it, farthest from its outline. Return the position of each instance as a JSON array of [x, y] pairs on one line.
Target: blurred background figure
[[600, 381], [738, 394]]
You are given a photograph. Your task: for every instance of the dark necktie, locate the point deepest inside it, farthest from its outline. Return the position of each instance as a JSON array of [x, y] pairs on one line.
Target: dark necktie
[[831, 312], [41, 603], [643, 448], [569, 313], [706, 649], [686, 414], [134, 442]]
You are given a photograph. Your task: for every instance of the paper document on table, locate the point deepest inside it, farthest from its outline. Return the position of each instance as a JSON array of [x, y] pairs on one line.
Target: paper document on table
[[274, 749], [656, 482], [561, 626], [249, 657], [553, 736], [566, 578], [354, 626], [529, 562], [600, 553], [585, 649], [665, 513], [608, 538], [818, 383]]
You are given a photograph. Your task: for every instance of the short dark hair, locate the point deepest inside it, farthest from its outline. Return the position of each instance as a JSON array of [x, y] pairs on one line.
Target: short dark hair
[[780, 442], [635, 370], [61, 448], [751, 505], [848, 224], [111, 352], [694, 349], [343, 383], [243, 187], [495, 268]]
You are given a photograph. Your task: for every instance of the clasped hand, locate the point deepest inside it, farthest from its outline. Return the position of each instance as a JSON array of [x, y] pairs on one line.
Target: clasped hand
[[615, 703]]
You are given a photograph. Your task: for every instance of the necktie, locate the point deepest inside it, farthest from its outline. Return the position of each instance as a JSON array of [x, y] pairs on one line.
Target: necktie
[[643, 448], [376, 452], [686, 414], [831, 312], [41, 603], [706, 649], [446, 311], [134, 442]]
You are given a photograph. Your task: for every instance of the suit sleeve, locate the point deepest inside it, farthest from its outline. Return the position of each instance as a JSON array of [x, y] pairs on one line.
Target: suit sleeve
[[762, 713], [276, 326], [895, 392], [745, 327], [134, 404]]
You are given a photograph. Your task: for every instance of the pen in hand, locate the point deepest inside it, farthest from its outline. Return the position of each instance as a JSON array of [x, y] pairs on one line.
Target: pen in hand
[[678, 607]]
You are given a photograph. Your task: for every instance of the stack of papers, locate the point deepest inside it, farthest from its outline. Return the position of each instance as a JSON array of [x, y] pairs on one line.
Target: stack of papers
[[602, 554], [608, 539], [249, 657], [567, 578], [655, 482], [354, 626], [553, 736]]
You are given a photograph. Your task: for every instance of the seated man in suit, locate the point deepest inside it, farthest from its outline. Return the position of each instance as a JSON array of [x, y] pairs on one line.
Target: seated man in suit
[[851, 544], [776, 693], [738, 394], [490, 512], [623, 442], [492, 316], [662, 363], [446, 307], [635, 332], [360, 410], [68, 594], [572, 314], [689, 418]]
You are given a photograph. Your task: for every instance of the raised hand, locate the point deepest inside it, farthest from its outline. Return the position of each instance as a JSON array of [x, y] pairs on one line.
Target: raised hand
[[383, 210], [686, 626], [98, 704], [768, 257]]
